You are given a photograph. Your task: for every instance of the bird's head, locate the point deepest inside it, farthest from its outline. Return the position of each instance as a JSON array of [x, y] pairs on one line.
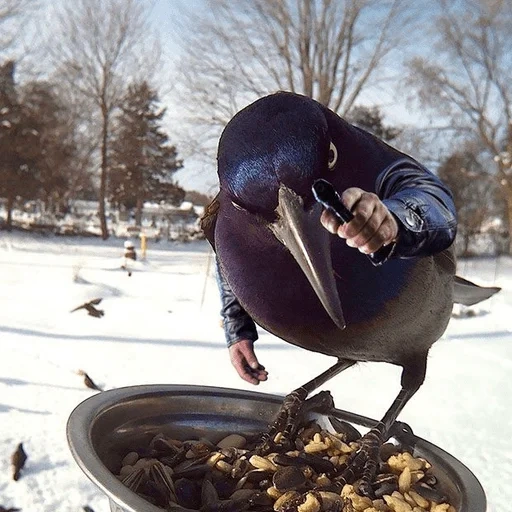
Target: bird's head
[[279, 141], [269, 156]]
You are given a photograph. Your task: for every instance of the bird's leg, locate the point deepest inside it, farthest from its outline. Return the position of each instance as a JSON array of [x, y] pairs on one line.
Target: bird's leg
[[365, 461], [290, 412]]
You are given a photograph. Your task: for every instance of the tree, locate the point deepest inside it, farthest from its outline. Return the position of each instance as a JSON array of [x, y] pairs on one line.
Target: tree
[[330, 50], [370, 119], [56, 153], [19, 144], [143, 160], [12, 15], [101, 44], [468, 83], [473, 194]]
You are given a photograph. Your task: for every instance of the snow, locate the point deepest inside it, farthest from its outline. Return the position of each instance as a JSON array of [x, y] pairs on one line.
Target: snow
[[161, 325]]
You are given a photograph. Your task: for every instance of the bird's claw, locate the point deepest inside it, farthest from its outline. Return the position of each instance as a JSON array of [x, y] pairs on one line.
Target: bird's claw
[[364, 463], [280, 434]]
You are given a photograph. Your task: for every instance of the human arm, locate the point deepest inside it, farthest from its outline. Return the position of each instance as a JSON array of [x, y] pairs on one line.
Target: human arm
[[240, 331], [411, 209]]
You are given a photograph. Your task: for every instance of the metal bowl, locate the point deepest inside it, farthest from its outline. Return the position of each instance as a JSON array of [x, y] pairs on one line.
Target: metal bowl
[[103, 428]]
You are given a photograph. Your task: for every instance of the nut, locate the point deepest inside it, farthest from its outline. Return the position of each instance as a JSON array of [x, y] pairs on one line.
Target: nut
[[262, 463], [285, 498], [404, 480], [310, 505], [397, 505]]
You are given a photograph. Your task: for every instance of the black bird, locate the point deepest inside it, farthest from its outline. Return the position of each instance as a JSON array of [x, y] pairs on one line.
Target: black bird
[[18, 459], [307, 286], [91, 310], [88, 381], [10, 509]]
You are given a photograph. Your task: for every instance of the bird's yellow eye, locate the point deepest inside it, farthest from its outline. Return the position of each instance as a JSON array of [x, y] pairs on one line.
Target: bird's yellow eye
[[333, 156]]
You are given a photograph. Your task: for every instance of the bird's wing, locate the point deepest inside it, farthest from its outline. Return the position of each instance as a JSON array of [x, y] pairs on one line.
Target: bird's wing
[[95, 301], [79, 307], [209, 219], [468, 293]]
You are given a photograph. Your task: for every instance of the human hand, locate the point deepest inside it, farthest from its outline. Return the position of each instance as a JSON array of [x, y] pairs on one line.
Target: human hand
[[245, 362], [372, 227]]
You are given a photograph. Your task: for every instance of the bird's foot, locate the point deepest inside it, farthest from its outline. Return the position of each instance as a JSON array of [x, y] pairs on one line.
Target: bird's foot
[[364, 463], [294, 408]]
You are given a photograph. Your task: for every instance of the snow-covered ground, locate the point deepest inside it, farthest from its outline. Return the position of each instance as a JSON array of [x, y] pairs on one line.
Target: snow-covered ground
[[161, 325]]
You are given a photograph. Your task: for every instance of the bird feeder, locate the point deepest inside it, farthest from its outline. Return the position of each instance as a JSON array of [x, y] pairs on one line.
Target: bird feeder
[[104, 427]]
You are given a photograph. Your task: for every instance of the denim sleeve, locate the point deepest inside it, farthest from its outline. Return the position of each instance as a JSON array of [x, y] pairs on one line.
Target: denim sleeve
[[238, 325], [423, 207]]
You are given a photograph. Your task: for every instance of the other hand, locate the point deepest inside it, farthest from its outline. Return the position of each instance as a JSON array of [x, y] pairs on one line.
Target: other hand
[[245, 362], [372, 227]]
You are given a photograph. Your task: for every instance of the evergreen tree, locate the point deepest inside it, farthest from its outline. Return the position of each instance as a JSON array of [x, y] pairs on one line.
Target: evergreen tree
[[371, 120], [474, 194], [143, 161], [19, 142], [56, 149]]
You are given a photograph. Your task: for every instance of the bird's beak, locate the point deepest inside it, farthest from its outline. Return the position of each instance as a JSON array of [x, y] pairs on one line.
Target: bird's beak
[[302, 233]]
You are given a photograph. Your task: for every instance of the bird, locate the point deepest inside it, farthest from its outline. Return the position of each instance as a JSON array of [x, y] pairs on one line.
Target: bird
[[90, 308], [86, 508], [10, 509], [306, 286], [88, 381], [18, 459]]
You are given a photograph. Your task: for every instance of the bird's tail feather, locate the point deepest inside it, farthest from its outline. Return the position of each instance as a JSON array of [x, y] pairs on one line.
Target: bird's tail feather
[[468, 293]]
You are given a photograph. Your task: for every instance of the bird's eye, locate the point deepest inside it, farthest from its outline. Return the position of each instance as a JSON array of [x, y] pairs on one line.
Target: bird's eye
[[333, 156]]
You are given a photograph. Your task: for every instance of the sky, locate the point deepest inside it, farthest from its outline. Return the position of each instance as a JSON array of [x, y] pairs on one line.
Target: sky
[[161, 326], [165, 17]]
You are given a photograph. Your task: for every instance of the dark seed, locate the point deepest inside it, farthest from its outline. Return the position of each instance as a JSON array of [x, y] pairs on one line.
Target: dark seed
[[319, 464], [164, 447], [385, 478], [386, 488], [209, 493], [188, 493], [288, 478], [429, 480], [429, 493], [386, 450], [256, 475], [342, 427]]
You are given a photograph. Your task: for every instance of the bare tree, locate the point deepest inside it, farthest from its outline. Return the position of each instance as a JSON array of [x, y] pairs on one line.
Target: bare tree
[[468, 82], [13, 13], [330, 50], [99, 46]]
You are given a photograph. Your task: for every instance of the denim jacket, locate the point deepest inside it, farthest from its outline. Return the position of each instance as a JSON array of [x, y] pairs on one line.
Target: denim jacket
[[423, 208]]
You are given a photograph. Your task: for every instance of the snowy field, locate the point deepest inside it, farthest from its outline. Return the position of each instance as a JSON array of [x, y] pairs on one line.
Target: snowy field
[[161, 325]]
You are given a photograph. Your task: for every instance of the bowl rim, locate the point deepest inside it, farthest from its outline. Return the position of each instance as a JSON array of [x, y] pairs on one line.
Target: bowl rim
[[78, 433]]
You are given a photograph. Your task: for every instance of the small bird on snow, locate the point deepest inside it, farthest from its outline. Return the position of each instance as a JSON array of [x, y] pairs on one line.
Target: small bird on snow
[[88, 381], [91, 310], [18, 459]]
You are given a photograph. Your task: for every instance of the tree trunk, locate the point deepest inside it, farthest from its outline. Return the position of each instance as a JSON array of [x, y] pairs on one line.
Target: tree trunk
[[509, 211], [138, 212], [10, 204], [103, 177]]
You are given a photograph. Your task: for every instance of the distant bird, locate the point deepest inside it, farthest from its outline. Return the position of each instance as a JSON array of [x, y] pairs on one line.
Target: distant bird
[[88, 381], [91, 310], [18, 459], [10, 509], [86, 508], [307, 286]]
